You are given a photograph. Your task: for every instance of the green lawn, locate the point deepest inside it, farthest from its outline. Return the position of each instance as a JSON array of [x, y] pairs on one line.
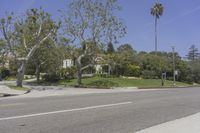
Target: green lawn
[[18, 88], [121, 82], [11, 78]]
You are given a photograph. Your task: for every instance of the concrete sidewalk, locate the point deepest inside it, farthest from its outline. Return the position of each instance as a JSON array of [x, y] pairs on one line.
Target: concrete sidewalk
[[6, 91], [71, 92], [46, 91], [190, 124]]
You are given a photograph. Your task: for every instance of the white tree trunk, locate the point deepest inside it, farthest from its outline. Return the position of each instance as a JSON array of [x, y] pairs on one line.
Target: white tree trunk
[[79, 69], [20, 73], [37, 73]]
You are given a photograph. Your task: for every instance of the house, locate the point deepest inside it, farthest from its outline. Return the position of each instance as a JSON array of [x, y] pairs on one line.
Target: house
[[99, 67], [68, 63]]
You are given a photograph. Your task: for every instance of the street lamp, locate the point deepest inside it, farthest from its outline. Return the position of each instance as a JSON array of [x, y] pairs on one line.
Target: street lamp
[[174, 78]]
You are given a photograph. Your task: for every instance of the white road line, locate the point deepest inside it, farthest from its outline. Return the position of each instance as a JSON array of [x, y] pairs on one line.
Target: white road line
[[65, 111], [11, 104]]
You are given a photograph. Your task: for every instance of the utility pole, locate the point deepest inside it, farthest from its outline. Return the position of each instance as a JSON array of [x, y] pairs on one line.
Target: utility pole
[[173, 66]]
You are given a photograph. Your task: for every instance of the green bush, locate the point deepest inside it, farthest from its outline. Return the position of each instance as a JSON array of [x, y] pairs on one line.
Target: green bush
[[103, 83], [51, 77], [88, 70], [147, 74], [4, 73], [105, 75], [11, 78], [68, 73], [132, 70]]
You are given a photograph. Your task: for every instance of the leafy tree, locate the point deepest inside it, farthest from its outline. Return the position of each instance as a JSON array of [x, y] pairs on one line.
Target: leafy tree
[[126, 49], [25, 35], [47, 58], [91, 21], [132, 70], [193, 53], [3, 53], [125, 54], [110, 61], [152, 64], [193, 57], [157, 11], [110, 48], [195, 66], [184, 71]]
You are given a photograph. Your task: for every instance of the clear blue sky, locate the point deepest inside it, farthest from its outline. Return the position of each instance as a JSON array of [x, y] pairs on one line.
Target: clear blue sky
[[179, 26]]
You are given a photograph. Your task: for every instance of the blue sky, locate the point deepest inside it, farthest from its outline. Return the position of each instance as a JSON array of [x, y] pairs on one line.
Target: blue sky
[[179, 26]]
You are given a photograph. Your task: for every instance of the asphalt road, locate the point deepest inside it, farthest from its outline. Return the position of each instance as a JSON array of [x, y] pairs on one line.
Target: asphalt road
[[97, 113]]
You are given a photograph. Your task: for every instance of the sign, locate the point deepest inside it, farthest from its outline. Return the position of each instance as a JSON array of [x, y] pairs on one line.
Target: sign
[[176, 72]]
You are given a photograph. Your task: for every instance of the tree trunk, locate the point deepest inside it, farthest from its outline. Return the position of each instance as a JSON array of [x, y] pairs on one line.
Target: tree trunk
[[79, 72], [156, 35], [20, 74], [109, 70], [37, 73], [79, 69]]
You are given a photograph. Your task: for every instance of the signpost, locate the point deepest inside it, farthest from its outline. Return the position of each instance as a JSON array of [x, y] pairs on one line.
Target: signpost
[[164, 74], [173, 67]]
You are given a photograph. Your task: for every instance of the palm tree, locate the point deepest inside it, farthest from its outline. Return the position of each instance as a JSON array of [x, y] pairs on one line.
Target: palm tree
[[157, 11]]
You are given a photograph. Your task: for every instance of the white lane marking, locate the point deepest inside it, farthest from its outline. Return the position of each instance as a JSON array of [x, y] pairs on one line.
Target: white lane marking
[[65, 111], [11, 104]]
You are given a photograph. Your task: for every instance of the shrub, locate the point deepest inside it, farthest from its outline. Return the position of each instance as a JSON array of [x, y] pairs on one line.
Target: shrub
[[68, 73], [88, 70], [103, 83], [147, 74], [4, 73], [132, 70], [51, 77], [11, 78], [105, 75]]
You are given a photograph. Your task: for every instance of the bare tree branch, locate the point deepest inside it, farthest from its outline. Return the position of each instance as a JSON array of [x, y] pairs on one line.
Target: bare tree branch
[[8, 40], [24, 42], [40, 28]]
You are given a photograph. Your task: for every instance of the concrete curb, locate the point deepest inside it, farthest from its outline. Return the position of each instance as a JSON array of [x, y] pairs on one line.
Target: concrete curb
[[169, 87], [6, 94], [124, 88]]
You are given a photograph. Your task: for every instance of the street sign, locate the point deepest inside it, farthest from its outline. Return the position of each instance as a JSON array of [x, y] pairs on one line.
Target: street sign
[[176, 72]]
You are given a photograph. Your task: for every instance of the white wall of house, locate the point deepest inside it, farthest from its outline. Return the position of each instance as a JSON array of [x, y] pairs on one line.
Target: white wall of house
[[68, 63], [98, 68]]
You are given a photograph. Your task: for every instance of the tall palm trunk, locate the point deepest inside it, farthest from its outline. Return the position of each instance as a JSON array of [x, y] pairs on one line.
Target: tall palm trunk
[[156, 36]]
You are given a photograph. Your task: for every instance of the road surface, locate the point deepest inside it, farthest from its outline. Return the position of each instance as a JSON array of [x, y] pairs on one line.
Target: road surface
[[126, 112]]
